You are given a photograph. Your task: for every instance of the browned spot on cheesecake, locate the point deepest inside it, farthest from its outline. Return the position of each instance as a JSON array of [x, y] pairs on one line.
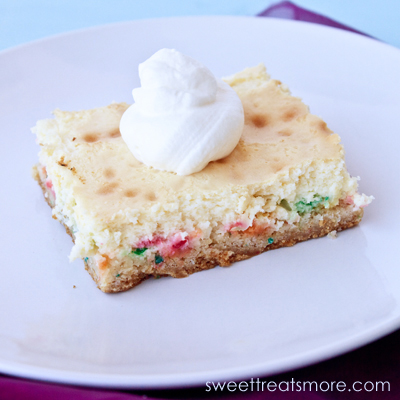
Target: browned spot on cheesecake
[[150, 196], [277, 166], [321, 125], [108, 188], [91, 137], [290, 114], [259, 120], [285, 132], [114, 133], [73, 139], [109, 173], [130, 193]]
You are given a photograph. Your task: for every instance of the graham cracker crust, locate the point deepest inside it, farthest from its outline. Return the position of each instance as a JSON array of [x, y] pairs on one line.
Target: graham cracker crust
[[221, 249]]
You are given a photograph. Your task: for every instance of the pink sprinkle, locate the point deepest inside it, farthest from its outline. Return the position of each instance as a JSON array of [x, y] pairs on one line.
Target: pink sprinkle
[[236, 226], [179, 242], [179, 245], [157, 240], [349, 200]]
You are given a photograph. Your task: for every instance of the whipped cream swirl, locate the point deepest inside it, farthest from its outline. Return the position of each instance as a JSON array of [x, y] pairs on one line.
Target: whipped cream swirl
[[183, 117]]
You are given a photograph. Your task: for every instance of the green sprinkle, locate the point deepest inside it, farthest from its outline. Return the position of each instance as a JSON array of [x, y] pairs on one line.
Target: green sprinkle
[[157, 276], [86, 259], [158, 259], [118, 275], [303, 207], [285, 205], [270, 240], [140, 251]]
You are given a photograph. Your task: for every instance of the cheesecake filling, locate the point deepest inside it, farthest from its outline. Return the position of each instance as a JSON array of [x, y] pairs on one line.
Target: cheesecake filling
[[161, 245]]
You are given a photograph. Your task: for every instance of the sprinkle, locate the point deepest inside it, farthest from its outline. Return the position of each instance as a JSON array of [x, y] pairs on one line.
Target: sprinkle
[[118, 275], [158, 259], [303, 207], [139, 251], [270, 240], [157, 277], [284, 203], [86, 259]]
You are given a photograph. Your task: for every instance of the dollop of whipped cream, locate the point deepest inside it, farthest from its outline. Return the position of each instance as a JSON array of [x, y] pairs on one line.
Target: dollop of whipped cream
[[183, 117]]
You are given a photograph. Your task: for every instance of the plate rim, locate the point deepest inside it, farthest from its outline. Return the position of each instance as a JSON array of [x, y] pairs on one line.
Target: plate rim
[[199, 379]]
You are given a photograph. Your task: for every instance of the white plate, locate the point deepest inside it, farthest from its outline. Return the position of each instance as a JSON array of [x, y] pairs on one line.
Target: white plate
[[278, 311]]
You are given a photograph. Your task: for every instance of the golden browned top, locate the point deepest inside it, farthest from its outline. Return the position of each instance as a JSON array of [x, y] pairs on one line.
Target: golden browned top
[[279, 133]]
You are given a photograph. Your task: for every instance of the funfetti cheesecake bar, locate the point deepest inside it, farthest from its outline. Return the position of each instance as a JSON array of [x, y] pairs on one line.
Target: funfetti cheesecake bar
[[285, 182]]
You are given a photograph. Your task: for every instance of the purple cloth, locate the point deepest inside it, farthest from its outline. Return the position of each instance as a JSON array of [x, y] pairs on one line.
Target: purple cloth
[[379, 361], [288, 10]]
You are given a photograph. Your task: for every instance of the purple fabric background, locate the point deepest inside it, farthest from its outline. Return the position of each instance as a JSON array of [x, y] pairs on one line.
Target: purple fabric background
[[288, 10], [379, 361]]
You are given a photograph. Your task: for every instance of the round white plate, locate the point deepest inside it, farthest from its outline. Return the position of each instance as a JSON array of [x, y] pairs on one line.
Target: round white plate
[[278, 311]]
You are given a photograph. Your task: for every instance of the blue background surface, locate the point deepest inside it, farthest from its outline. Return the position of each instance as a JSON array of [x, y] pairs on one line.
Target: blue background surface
[[24, 20]]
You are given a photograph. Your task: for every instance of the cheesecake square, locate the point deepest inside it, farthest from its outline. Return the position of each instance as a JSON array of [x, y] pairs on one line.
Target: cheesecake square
[[285, 182]]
